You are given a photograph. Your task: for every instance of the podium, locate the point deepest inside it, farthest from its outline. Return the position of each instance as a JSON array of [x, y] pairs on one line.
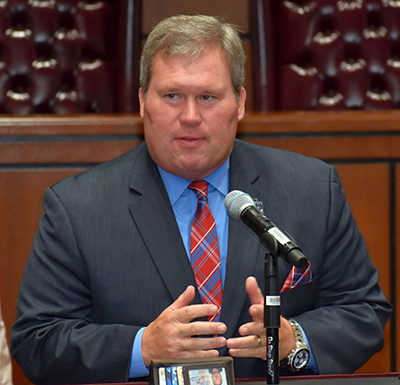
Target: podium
[[342, 379]]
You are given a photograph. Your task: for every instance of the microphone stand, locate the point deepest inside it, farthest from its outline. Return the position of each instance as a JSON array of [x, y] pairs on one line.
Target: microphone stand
[[272, 300], [277, 243], [272, 320]]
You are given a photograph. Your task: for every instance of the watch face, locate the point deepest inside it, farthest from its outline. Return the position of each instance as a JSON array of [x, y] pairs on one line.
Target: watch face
[[301, 358]]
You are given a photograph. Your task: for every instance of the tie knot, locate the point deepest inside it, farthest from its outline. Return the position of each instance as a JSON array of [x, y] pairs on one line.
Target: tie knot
[[200, 187]]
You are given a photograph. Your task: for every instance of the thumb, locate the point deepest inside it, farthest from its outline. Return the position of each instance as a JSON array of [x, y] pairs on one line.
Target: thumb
[[254, 291]]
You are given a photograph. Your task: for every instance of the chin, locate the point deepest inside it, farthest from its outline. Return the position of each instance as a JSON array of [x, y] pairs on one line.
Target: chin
[[193, 174]]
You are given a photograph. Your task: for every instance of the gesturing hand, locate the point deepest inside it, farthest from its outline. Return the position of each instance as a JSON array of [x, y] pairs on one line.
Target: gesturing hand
[[169, 336], [252, 342]]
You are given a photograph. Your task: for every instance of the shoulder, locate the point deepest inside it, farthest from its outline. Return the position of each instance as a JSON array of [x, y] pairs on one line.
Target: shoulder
[[276, 160], [117, 169], [107, 182]]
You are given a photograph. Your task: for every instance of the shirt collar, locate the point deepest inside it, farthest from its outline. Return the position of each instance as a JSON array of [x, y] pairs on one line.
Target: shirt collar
[[176, 185]]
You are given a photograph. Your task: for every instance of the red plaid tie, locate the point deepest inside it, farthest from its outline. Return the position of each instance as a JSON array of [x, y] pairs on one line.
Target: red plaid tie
[[297, 277], [204, 250]]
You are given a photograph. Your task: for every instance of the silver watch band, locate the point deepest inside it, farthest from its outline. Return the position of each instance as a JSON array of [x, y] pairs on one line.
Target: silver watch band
[[299, 357]]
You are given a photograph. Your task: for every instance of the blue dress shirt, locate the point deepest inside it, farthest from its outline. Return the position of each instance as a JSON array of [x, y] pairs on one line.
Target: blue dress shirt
[[184, 203]]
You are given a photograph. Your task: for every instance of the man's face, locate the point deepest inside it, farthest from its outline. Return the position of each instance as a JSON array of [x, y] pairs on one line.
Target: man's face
[[190, 113], [216, 376]]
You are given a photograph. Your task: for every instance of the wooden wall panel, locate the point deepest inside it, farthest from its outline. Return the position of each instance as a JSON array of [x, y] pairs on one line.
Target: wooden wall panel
[[367, 188], [50, 152], [21, 195], [336, 147]]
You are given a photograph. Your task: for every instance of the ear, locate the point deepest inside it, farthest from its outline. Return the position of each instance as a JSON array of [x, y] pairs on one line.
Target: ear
[[141, 102], [242, 102]]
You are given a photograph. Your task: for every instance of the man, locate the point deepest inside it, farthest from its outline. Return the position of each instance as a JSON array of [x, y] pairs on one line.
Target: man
[[109, 285], [216, 376]]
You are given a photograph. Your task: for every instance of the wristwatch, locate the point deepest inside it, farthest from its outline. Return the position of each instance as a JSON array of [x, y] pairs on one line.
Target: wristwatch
[[298, 358]]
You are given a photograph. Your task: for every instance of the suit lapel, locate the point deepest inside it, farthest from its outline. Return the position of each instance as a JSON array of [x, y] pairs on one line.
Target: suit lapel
[[244, 247], [160, 233]]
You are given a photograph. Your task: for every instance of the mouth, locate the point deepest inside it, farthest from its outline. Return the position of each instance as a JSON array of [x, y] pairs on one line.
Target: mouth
[[190, 140]]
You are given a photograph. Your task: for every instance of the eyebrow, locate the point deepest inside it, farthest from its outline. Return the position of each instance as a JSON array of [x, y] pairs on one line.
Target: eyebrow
[[176, 89]]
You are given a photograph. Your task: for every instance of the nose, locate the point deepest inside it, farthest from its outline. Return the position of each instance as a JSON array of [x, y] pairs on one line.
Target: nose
[[190, 113]]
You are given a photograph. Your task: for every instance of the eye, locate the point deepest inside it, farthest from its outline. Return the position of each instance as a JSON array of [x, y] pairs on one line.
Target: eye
[[171, 96], [207, 97]]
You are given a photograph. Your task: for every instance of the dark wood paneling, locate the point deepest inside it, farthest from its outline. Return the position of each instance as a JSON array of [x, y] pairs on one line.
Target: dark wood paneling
[[321, 123], [64, 152], [72, 125], [334, 147], [367, 188], [21, 195]]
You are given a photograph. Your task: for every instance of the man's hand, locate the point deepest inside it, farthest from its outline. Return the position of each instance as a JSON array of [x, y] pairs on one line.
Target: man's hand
[[170, 335], [252, 342]]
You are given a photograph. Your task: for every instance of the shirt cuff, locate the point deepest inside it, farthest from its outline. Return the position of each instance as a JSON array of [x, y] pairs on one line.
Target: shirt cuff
[[311, 362], [138, 368]]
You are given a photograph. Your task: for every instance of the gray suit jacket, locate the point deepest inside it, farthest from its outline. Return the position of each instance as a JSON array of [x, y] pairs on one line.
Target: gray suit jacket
[[108, 258]]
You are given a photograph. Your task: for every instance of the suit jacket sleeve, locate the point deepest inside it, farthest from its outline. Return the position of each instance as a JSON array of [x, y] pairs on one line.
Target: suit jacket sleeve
[[345, 324], [55, 338], [343, 311]]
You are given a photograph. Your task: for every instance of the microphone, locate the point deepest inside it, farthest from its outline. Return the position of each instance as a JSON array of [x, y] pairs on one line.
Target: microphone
[[240, 205]]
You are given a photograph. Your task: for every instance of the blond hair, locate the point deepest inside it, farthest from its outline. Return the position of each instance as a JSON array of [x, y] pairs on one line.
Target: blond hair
[[189, 36]]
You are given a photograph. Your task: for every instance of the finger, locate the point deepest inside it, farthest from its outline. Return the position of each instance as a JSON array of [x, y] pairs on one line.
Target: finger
[[252, 329], [257, 313], [256, 310], [170, 334], [249, 346], [187, 312], [185, 299], [196, 354], [198, 344], [249, 353], [254, 291], [247, 342], [202, 328], [191, 312]]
